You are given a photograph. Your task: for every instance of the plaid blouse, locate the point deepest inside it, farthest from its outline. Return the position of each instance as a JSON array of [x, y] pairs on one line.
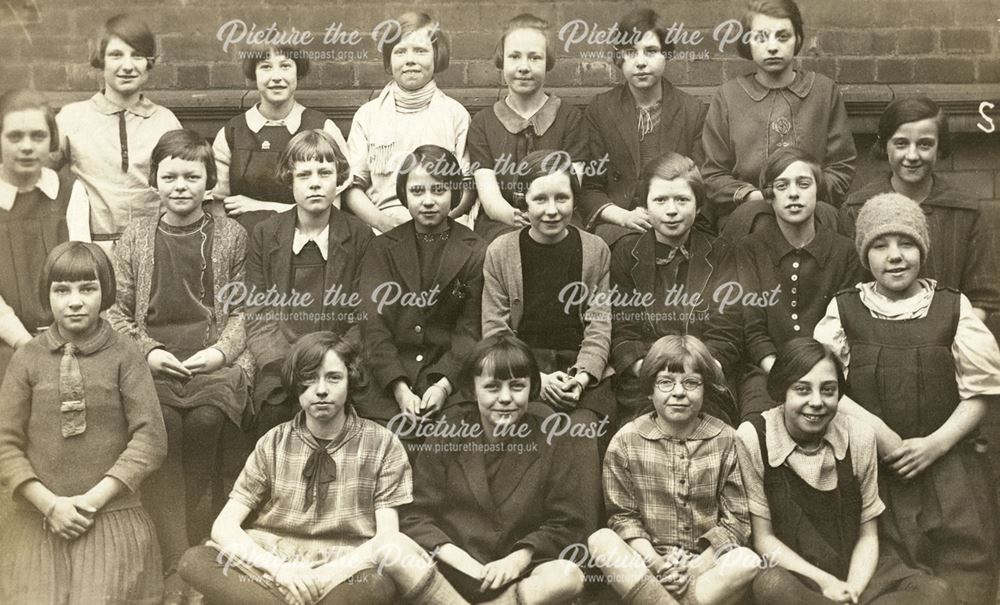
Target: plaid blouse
[[372, 472], [676, 492]]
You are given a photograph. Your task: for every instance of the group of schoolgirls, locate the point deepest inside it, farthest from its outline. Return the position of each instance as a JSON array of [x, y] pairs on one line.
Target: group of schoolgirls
[[314, 511]]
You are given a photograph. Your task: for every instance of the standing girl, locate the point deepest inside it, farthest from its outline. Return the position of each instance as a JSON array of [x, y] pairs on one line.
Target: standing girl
[[811, 476], [499, 503], [536, 282], [921, 367], [79, 431], [315, 496], [415, 350], [912, 135], [677, 510], [755, 115], [409, 112], [527, 119], [170, 272], [107, 139], [36, 207], [793, 263], [248, 146]]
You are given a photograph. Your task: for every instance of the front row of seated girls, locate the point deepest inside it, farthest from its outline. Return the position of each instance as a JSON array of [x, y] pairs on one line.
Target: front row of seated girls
[[324, 495]]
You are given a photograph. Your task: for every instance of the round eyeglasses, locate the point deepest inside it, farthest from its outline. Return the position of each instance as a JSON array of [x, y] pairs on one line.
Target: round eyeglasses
[[666, 385]]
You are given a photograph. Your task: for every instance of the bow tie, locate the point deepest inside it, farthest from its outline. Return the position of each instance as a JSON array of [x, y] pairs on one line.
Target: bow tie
[[673, 254]]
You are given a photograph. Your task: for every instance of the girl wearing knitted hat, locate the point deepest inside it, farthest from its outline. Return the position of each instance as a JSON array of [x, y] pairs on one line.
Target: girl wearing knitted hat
[[920, 366]]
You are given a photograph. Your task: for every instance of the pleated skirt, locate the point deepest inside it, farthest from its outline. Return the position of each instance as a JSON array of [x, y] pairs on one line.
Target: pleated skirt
[[117, 561]]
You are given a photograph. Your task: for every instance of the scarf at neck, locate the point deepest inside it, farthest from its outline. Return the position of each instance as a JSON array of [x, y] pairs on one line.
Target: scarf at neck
[[412, 101]]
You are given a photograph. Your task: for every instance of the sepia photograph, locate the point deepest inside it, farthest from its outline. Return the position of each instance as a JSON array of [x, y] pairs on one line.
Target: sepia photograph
[[447, 302]]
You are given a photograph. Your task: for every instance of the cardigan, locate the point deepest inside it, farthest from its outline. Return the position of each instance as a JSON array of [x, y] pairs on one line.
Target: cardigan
[[544, 496], [124, 438], [740, 134], [414, 343], [133, 260], [269, 265], [611, 120], [503, 297]]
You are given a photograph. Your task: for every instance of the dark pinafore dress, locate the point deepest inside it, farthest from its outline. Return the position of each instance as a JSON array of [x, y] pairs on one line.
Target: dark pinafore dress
[[32, 227], [944, 520], [255, 161]]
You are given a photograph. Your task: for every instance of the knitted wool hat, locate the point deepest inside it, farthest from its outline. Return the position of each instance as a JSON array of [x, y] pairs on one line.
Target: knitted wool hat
[[890, 213]]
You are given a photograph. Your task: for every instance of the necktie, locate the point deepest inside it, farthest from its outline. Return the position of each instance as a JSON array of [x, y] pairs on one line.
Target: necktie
[[673, 254], [319, 471], [123, 139], [73, 406]]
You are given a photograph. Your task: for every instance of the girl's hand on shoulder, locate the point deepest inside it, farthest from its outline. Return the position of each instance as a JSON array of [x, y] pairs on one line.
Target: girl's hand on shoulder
[[914, 456], [205, 361], [637, 219], [502, 572], [240, 204], [388, 222], [557, 389], [66, 520], [298, 583], [163, 362]]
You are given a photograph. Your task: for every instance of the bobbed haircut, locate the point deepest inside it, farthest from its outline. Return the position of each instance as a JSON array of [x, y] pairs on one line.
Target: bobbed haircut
[[542, 163], [778, 9], [634, 26], [252, 57], [782, 159], [526, 21], [306, 356], [797, 358], [312, 145], [439, 163], [183, 144], [23, 99], [409, 23], [504, 357], [670, 166], [133, 31], [675, 353], [911, 109], [77, 261]]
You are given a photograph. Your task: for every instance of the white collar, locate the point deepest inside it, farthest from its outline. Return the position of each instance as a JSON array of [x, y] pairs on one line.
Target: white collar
[[48, 183], [299, 240], [291, 122]]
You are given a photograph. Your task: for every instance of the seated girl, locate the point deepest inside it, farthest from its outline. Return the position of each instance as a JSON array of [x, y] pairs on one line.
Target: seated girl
[[527, 119], [794, 265], [634, 123], [39, 209], [811, 477], [170, 271], [316, 495], [755, 115], [678, 518], [676, 260], [247, 148], [416, 350], [409, 112], [912, 136], [498, 506], [922, 369], [79, 431], [310, 259], [538, 283]]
